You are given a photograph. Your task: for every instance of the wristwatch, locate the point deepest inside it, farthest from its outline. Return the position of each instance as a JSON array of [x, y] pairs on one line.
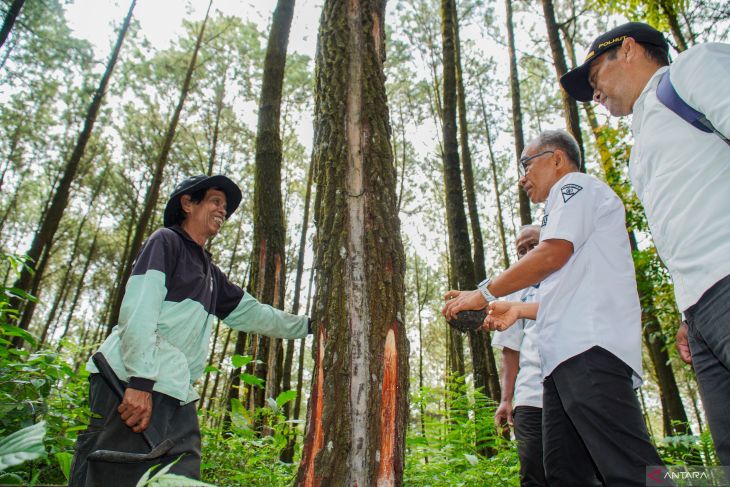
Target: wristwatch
[[488, 297]]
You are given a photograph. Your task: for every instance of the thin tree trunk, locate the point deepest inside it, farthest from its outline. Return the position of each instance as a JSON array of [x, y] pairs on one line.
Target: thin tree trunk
[[58, 303], [570, 106], [79, 288], [220, 93], [153, 189], [514, 81], [421, 300], [119, 285], [60, 298], [497, 195], [9, 21], [300, 366], [485, 368], [288, 452], [211, 356], [671, 15], [461, 264], [269, 233], [45, 235], [359, 400]]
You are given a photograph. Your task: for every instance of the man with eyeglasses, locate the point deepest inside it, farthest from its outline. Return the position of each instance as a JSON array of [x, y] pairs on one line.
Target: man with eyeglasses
[[681, 173], [589, 321]]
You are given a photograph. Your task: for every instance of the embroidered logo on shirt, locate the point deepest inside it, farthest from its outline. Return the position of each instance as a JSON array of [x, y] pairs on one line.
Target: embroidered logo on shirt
[[544, 221], [569, 190]]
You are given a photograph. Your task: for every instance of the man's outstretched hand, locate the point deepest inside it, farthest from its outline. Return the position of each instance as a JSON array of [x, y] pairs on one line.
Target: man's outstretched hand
[[502, 315], [462, 300], [136, 409], [682, 344]]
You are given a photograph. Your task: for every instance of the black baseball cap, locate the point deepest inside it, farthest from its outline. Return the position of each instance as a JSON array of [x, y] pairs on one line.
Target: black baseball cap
[[194, 183], [575, 81]]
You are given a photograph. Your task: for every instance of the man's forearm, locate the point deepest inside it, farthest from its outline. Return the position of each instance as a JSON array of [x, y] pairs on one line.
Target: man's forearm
[[510, 368], [543, 260]]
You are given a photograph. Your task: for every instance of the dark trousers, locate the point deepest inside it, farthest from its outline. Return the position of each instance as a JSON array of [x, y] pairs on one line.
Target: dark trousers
[[107, 431], [709, 341], [528, 431], [592, 424]]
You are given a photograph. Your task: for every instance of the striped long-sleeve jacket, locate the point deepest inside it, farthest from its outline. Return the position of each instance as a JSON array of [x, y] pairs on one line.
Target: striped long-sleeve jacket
[[171, 300]]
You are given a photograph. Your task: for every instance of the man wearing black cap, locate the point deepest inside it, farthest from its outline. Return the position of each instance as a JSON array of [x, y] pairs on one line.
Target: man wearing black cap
[[681, 173], [160, 345]]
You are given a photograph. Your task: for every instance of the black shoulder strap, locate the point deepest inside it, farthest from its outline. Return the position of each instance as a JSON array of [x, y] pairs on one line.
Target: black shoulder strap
[[669, 97]]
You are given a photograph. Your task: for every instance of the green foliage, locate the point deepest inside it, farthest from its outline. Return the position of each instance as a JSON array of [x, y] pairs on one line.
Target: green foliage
[[243, 456], [688, 450], [38, 386], [23, 445], [163, 478], [441, 450]]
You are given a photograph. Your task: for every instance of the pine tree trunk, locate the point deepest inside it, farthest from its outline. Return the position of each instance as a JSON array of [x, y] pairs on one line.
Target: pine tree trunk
[[300, 366], [358, 409], [462, 265], [570, 106], [421, 300], [287, 453], [514, 81], [43, 239], [153, 190], [497, 193], [60, 299], [9, 21], [269, 252], [119, 285], [671, 15], [59, 302], [79, 288], [220, 93]]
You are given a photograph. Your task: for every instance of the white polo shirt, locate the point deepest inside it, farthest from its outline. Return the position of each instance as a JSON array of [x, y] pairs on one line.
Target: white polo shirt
[[592, 300], [522, 337], [682, 175]]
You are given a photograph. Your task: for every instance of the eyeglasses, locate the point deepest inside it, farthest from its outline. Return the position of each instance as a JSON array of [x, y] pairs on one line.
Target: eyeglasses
[[524, 166]]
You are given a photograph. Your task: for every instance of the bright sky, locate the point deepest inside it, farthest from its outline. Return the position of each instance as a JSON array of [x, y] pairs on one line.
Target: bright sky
[[161, 20]]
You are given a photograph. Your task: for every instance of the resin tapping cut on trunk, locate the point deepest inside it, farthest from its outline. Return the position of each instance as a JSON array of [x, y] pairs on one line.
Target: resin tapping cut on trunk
[[317, 437], [388, 406]]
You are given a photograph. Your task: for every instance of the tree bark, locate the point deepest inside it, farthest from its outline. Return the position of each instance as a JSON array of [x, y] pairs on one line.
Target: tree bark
[[288, 452], [43, 239], [671, 15], [570, 106], [269, 252], [211, 356], [514, 82], [9, 21], [358, 409], [493, 167], [79, 288], [60, 299], [153, 190]]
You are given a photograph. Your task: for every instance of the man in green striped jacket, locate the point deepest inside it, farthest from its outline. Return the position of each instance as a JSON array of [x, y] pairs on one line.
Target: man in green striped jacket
[[160, 345]]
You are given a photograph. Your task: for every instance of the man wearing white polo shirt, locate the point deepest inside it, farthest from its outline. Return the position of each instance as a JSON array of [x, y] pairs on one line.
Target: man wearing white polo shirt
[[521, 402], [680, 169], [589, 321]]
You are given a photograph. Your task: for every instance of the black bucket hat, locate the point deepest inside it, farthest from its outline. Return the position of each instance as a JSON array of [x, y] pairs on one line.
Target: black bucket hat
[[575, 81], [194, 183]]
